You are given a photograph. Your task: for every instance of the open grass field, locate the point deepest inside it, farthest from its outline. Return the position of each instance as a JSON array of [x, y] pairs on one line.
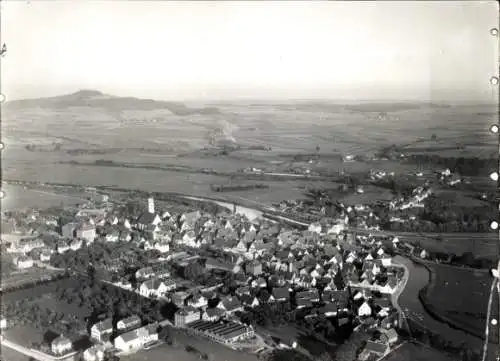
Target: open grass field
[[460, 297], [371, 194], [16, 197], [464, 199], [20, 277], [179, 353], [40, 290], [24, 335], [417, 352], [300, 127]]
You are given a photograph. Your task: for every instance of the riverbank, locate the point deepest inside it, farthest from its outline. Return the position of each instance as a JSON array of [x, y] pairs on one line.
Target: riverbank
[[469, 318], [418, 316]]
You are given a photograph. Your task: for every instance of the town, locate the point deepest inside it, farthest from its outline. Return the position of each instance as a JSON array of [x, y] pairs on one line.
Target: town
[[222, 274]]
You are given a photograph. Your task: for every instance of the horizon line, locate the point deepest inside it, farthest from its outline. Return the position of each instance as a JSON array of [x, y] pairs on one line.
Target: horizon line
[[274, 99]]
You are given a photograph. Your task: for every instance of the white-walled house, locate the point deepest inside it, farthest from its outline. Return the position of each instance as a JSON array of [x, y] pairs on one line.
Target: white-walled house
[[136, 338], [315, 227], [61, 345], [364, 310]]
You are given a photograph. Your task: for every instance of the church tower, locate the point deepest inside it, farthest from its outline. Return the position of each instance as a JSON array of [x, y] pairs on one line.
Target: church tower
[[151, 205]]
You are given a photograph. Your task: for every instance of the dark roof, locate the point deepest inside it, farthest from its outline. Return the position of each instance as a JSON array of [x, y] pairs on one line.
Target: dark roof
[[214, 312], [231, 304], [329, 307], [375, 347], [304, 302], [246, 299], [309, 294], [281, 293], [146, 218], [105, 325]]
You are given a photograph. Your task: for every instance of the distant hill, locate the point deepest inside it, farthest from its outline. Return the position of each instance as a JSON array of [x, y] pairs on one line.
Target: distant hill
[[96, 99]]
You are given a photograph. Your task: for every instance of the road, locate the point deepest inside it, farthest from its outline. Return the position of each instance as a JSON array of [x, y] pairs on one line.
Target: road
[[397, 293], [39, 356], [488, 319], [444, 236]]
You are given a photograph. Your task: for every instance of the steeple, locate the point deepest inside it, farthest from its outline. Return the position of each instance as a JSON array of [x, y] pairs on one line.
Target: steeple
[[151, 205]]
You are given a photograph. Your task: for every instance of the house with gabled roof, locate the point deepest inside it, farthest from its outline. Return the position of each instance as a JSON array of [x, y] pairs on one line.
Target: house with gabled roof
[[364, 310], [102, 330], [213, 314], [390, 285], [259, 283], [197, 301], [373, 348], [144, 273], [137, 338], [303, 303], [155, 287], [329, 310], [281, 294], [244, 290], [61, 345], [128, 323], [265, 297], [230, 305], [188, 220], [312, 295], [388, 336], [249, 301]]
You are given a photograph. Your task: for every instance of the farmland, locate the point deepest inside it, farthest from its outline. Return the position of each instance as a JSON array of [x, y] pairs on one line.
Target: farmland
[[460, 297], [417, 352], [19, 198]]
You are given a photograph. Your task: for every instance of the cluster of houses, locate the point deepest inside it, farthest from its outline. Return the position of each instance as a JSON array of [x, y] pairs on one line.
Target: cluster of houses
[[416, 200], [297, 268], [129, 334]]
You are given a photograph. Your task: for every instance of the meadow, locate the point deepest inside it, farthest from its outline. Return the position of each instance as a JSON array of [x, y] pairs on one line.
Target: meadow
[[412, 307], [460, 298], [417, 352]]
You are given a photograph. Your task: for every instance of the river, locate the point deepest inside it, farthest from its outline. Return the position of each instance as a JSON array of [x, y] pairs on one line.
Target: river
[[411, 305]]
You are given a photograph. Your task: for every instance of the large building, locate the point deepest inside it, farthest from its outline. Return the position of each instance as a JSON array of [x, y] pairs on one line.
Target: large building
[[227, 332], [86, 232], [137, 338], [186, 315]]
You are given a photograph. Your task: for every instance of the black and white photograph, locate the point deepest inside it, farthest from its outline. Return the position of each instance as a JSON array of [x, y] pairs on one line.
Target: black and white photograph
[[249, 180]]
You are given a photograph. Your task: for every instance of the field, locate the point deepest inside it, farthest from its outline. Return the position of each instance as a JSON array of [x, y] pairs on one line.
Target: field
[[170, 353], [20, 277], [24, 335], [460, 297], [308, 128], [417, 352], [371, 195], [464, 199], [39, 290], [16, 197]]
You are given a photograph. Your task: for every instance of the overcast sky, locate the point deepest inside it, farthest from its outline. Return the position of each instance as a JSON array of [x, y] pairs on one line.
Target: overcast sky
[[173, 50]]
